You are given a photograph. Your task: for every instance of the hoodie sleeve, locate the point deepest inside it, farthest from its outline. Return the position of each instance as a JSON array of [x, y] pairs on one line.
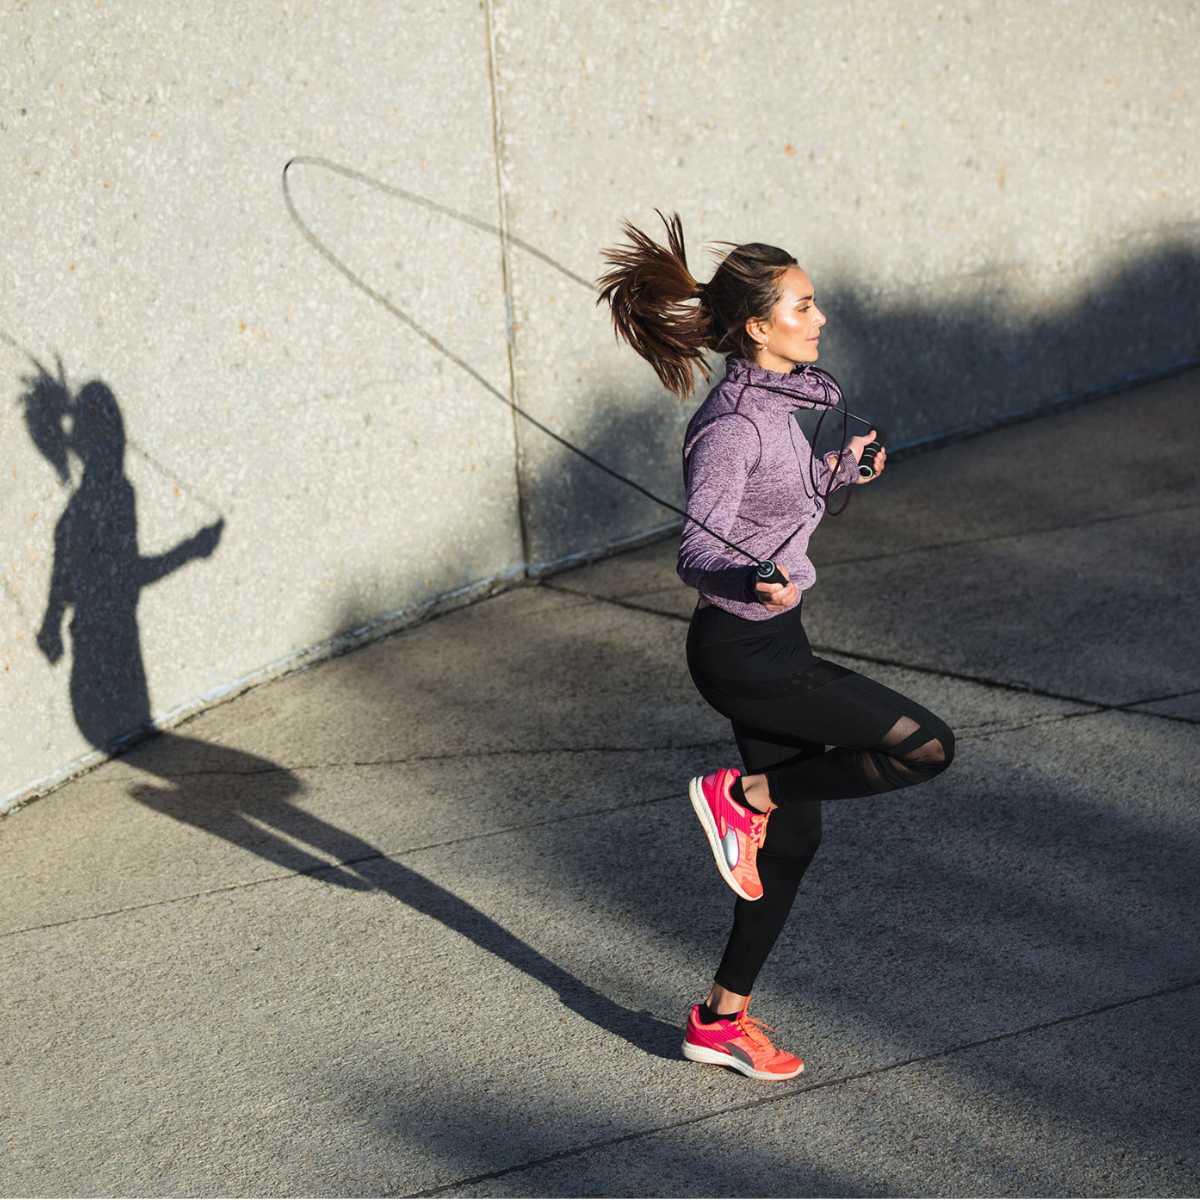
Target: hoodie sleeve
[[828, 479], [716, 468]]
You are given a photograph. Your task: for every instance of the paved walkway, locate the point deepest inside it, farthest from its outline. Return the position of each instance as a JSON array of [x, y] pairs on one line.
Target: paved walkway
[[426, 919]]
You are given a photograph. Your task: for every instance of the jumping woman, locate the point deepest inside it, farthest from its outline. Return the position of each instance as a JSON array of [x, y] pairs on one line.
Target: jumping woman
[[807, 729]]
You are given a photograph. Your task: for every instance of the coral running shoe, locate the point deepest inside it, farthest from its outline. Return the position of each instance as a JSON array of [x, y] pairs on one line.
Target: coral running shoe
[[735, 833], [741, 1044]]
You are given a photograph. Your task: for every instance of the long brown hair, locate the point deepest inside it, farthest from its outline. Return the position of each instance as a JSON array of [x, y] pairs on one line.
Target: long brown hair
[[670, 319]]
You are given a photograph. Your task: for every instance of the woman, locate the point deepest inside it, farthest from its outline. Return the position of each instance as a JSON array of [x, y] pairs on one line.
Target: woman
[[807, 730]]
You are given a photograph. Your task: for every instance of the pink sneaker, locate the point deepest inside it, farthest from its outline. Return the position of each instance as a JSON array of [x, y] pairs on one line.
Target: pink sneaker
[[741, 1044], [734, 833]]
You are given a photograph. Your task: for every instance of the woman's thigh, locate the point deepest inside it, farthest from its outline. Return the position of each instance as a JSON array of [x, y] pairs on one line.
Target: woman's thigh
[[849, 710]]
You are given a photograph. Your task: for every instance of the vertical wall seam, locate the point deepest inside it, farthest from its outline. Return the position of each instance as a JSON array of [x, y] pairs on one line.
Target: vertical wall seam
[[506, 277]]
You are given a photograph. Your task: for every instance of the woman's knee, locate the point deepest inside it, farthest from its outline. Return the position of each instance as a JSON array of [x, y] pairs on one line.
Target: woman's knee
[[938, 753], [928, 752], [945, 739]]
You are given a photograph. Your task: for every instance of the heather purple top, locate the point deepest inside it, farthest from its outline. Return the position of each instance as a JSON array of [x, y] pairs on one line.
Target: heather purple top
[[749, 472]]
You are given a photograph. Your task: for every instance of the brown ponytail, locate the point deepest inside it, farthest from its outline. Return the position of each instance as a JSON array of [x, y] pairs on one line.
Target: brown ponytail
[[670, 319]]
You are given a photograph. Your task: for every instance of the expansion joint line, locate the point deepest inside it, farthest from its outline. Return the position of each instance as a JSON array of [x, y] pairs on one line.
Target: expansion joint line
[[447, 756], [510, 337], [315, 872], [990, 538], [1022, 689], [550, 585], [782, 1093]]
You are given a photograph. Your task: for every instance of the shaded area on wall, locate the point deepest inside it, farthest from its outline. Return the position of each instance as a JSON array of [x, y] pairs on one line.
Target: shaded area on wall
[[919, 368], [929, 369]]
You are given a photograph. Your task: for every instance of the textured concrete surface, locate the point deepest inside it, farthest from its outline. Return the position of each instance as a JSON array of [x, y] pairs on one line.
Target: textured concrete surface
[[357, 472], [997, 203], [427, 918]]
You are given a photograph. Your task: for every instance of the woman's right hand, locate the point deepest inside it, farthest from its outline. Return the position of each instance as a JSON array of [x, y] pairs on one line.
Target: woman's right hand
[[777, 597]]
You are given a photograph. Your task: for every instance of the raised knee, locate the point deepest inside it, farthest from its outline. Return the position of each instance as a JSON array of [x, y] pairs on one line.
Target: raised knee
[[941, 749]]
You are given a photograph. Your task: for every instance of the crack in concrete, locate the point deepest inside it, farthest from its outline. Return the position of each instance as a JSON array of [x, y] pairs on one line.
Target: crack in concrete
[[966, 733], [458, 755], [984, 539], [1026, 689], [971, 734], [1134, 711], [785, 1093]]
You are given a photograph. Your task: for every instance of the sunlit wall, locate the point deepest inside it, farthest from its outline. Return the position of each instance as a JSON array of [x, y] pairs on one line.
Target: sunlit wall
[[227, 454]]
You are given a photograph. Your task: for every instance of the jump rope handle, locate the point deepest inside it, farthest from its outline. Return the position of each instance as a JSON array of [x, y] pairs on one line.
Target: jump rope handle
[[866, 464], [768, 572]]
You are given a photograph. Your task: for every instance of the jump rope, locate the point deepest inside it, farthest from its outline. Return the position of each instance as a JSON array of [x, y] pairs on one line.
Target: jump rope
[[767, 570]]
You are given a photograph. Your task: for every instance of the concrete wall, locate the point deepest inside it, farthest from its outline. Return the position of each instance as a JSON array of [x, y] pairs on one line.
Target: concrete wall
[[997, 203]]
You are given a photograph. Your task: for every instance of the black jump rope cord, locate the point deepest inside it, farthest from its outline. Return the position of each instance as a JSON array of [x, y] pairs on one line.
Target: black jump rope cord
[[768, 572]]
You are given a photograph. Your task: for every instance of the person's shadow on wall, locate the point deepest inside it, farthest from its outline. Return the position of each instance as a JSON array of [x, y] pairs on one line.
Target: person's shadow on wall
[[247, 800], [99, 573], [98, 570]]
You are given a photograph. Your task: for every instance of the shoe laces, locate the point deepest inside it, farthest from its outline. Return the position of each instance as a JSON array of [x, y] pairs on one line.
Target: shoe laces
[[758, 828], [754, 1031]]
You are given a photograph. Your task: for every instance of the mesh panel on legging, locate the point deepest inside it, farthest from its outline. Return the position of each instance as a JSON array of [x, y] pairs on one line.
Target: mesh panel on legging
[[881, 741], [763, 676]]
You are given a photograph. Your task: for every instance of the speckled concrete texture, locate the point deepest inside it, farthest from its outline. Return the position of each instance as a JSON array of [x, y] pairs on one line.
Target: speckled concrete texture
[[356, 471], [997, 204], [427, 918]]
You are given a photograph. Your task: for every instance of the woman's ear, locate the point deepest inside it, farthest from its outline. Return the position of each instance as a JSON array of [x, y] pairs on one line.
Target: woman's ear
[[756, 327]]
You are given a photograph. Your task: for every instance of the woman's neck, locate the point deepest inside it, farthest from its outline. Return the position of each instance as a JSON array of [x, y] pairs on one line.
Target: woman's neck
[[773, 362]]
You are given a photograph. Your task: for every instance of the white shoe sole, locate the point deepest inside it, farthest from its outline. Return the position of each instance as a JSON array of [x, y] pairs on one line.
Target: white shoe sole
[[696, 795], [718, 1058]]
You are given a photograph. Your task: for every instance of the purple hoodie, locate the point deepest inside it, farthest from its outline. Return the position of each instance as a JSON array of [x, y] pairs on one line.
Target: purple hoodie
[[749, 470]]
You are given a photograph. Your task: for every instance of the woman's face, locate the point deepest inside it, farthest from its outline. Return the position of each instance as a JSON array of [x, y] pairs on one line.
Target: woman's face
[[792, 334]]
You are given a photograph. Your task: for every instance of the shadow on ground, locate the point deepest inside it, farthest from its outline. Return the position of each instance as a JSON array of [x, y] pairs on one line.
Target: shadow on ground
[[251, 802], [1042, 873], [1052, 869], [242, 798]]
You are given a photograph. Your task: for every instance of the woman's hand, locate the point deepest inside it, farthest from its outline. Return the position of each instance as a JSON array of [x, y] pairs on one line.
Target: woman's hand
[[856, 446], [777, 597], [49, 640]]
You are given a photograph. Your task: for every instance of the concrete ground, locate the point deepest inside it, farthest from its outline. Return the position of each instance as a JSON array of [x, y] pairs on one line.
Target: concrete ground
[[427, 919]]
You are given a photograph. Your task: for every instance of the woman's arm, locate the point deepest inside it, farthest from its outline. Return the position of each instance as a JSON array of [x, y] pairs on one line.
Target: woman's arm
[[831, 474], [199, 545], [49, 638], [717, 466]]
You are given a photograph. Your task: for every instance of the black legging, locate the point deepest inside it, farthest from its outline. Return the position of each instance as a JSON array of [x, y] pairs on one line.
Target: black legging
[[787, 706]]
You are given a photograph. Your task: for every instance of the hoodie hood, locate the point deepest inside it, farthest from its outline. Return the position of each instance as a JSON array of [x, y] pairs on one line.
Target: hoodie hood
[[806, 387]]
